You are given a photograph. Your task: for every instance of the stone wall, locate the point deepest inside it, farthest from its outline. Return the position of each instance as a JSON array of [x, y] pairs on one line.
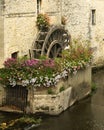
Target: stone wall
[[1, 35], [53, 9], [18, 24], [97, 32], [79, 23], [2, 94], [76, 87], [18, 29], [77, 15]]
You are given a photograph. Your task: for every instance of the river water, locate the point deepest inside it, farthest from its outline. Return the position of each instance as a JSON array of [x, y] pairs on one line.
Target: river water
[[88, 114]]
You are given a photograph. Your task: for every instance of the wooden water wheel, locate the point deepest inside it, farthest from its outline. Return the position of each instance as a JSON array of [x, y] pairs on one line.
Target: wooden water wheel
[[51, 42]]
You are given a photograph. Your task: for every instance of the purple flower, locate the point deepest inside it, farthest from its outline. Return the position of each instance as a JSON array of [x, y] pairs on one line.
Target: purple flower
[[31, 63], [10, 62]]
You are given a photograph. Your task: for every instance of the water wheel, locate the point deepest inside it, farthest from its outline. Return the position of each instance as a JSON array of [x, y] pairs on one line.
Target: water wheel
[[51, 42]]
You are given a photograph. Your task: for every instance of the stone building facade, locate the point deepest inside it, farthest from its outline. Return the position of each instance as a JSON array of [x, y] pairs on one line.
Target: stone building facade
[[85, 20], [18, 30]]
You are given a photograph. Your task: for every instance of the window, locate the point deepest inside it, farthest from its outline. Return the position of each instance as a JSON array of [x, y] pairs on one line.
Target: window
[[38, 6], [14, 55], [93, 17]]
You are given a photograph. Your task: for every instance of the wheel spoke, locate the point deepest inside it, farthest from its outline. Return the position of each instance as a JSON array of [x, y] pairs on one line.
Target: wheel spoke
[[59, 37], [53, 36], [55, 49], [50, 39], [52, 53], [55, 42], [59, 50]]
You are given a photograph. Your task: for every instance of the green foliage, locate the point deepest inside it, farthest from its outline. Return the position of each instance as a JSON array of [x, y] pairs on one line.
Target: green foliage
[[93, 87], [42, 21], [50, 91], [43, 57], [62, 89], [78, 53], [77, 57], [44, 71], [20, 123], [59, 64], [29, 120]]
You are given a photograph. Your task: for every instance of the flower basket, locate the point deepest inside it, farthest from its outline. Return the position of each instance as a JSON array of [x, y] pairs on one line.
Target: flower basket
[[42, 22]]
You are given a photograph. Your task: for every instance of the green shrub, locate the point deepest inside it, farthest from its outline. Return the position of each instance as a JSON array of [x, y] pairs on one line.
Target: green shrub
[[62, 89], [93, 87], [42, 21], [45, 72], [50, 91]]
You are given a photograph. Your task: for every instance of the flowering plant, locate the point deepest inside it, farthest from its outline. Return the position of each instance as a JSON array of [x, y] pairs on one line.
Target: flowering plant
[[44, 72], [42, 21]]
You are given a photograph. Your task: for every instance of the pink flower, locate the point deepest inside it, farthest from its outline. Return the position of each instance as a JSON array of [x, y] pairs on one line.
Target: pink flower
[[30, 63], [49, 63], [10, 62]]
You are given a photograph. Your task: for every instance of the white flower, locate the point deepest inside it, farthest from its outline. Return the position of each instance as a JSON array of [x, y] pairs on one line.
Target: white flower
[[41, 79], [44, 84], [55, 83], [67, 47], [75, 72], [38, 85], [46, 79], [57, 80], [64, 73], [19, 78], [48, 84], [13, 83], [69, 70], [25, 82], [58, 77], [33, 80]]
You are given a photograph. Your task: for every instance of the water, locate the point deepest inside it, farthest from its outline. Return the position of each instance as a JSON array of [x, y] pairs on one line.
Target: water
[[6, 117], [87, 114]]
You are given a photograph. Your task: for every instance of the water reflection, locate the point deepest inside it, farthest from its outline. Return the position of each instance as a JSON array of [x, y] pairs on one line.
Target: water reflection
[[6, 116], [77, 117]]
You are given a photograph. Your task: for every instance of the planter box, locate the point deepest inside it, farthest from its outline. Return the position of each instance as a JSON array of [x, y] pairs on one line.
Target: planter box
[[76, 87], [2, 94]]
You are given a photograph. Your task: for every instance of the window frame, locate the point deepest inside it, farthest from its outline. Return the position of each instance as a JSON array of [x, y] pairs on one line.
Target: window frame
[[39, 6], [93, 13], [14, 55]]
